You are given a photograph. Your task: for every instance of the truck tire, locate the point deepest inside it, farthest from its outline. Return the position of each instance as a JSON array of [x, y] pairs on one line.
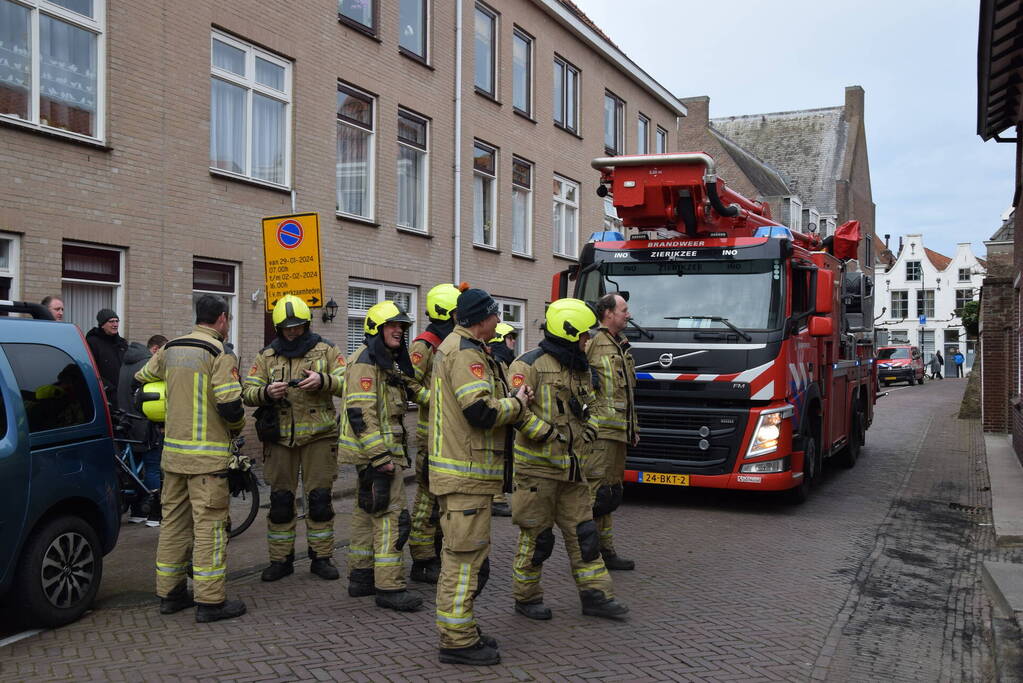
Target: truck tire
[[848, 456], [800, 493], [59, 571]]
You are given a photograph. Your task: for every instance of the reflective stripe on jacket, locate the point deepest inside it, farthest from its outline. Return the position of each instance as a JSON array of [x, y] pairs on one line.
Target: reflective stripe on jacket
[[614, 372], [372, 432], [421, 353]]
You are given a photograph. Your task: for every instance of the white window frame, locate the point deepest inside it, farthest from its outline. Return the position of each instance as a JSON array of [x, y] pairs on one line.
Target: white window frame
[[959, 291], [118, 286], [642, 134], [661, 141], [528, 191], [381, 289], [919, 271], [519, 34], [232, 298], [564, 205], [568, 94], [477, 174], [519, 325], [424, 183], [905, 293], [795, 214], [425, 57], [252, 86], [619, 123], [922, 303], [494, 50], [968, 277], [13, 269], [95, 25], [371, 153]]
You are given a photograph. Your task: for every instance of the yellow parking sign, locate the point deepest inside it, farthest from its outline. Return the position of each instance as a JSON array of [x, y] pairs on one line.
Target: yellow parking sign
[[291, 251]]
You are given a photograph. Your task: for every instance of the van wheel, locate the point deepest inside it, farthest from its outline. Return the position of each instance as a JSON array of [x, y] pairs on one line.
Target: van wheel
[[800, 493], [60, 570]]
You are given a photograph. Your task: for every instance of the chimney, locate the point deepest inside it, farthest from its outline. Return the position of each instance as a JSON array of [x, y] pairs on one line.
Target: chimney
[[886, 238], [854, 100], [699, 111], [900, 244]]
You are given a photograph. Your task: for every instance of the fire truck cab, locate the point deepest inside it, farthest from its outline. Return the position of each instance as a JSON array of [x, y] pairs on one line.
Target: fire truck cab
[[753, 343]]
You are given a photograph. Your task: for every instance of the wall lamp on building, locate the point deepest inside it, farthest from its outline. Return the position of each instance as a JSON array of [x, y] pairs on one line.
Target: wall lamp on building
[[329, 310]]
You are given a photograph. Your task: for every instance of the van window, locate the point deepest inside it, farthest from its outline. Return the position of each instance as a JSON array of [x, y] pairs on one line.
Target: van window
[[52, 386]]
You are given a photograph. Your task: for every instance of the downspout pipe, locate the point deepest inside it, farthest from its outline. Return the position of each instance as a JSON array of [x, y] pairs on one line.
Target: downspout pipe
[[458, 144]]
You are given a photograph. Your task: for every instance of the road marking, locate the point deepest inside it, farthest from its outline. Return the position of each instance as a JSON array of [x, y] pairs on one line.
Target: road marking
[[20, 636]]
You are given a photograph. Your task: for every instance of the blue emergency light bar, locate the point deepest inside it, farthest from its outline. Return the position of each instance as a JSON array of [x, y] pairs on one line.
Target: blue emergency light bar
[[778, 231], [607, 236]]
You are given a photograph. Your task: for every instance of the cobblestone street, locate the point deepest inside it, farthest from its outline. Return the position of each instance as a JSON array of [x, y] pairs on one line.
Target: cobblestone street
[[876, 577]]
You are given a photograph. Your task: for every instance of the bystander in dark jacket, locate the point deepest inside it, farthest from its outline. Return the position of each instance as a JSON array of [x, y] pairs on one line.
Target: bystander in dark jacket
[[108, 348]]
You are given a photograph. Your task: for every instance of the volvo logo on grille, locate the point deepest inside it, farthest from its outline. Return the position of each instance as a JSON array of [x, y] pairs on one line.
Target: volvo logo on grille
[[705, 431], [665, 360]]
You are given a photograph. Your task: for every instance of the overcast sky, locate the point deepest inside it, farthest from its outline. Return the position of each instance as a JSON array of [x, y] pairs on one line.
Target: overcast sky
[[917, 62]]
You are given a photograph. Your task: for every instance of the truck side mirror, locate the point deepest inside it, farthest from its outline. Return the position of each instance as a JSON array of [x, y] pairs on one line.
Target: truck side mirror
[[559, 284], [825, 294], [821, 326]]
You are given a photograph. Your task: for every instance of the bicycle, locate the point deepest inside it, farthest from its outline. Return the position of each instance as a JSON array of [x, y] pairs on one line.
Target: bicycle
[[242, 481]]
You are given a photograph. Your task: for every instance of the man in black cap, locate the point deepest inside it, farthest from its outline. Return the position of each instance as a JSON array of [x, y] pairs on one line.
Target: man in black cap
[[108, 349]]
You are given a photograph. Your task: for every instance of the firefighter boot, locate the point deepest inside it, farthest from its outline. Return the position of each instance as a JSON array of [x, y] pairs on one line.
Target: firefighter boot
[[360, 583], [278, 569], [323, 567], [615, 563], [489, 641], [426, 571], [177, 600], [534, 610], [399, 601], [596, 604], [477, 654], [229, 609]]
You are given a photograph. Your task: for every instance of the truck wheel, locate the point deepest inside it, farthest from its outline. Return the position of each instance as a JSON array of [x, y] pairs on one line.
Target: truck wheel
[[800, 493], [59, 572], [851, 453]]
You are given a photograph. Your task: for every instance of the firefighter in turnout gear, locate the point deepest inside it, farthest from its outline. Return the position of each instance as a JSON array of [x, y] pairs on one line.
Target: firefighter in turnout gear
[[379, 383], [204, 412], [552, 445], [470, 418], [502, 349], [294, 381], [423, 540], [614, 372]]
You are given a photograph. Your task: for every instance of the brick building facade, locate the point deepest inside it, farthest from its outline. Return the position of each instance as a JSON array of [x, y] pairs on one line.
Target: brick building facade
[[143, 142]]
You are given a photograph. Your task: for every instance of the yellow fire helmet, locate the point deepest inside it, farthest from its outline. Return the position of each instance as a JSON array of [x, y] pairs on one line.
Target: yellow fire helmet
[[569, 318], [502, 331], [385, 312], [441, 301], [291, 311], [154, 401]]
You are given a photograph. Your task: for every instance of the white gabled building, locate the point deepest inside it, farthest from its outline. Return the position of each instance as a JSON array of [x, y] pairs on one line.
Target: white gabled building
[[922, 282]]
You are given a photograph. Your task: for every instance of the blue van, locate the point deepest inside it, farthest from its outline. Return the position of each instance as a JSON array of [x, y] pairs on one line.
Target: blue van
[[59, 492]]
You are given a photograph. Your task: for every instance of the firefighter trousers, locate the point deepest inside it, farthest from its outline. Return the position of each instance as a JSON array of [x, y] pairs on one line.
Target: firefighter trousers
[[606, 468], [465, 520], [377, 539], [319, 470], [537, 505], [425, 525], [193, 529]]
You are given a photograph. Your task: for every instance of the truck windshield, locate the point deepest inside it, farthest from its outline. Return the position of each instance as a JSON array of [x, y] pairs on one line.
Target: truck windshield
[[681, 294]]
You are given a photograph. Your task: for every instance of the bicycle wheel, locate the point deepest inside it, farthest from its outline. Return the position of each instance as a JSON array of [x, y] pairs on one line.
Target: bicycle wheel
[[244, 505]]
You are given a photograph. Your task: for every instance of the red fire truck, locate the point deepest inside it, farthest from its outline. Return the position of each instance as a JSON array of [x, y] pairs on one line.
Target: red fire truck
[[753, 342]]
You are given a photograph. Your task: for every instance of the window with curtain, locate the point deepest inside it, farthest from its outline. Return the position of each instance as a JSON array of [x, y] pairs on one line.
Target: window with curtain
[[662, 141], [355, 152], [614, 117], [486, 50], [220, 278], [412, 27], [566, 217], [412, 171], [522, 207], [10, 266], [360, 13], [91, 279], [566, 95], [642, 135], [484, 177], [250, 100], [513, 313], [62, 41], [925, 302], [522, 72], [363, 295]]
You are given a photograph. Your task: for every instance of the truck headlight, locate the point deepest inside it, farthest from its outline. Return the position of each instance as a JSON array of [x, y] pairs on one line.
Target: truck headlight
[[768, 431]]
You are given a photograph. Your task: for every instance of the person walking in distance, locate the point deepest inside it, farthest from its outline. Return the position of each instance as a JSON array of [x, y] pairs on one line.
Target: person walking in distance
[[204, 412], [552, 444], [294, 381], [379, 384], [55, 305], [502, 348], [958, 359], [470, 413], [148, 434], [614, 372], [425, 534]]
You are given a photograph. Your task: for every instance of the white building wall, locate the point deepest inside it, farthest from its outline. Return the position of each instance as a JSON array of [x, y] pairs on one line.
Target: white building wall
[[944, 327]]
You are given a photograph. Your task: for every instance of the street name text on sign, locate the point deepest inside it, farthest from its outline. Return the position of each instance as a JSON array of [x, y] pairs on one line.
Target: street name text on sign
[[291, 252]]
